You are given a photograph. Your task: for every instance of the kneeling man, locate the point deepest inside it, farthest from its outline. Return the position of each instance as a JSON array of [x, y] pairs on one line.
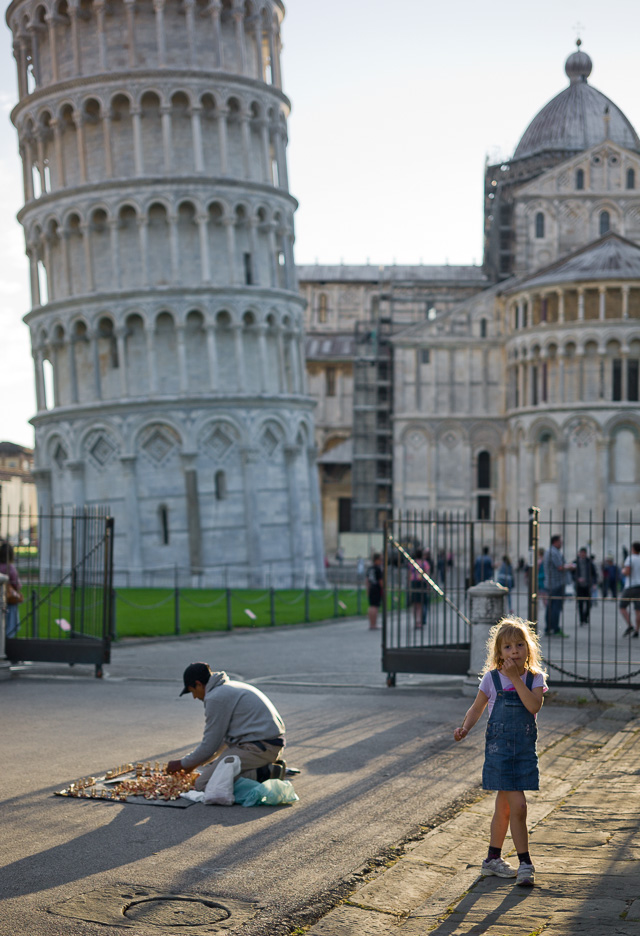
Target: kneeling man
[[240, 720]]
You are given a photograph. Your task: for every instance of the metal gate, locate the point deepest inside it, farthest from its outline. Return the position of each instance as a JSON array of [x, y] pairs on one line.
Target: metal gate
[[65, 564], [426, 627]]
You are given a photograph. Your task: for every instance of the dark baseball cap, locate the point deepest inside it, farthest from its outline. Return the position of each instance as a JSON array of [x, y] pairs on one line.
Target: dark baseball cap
[[195, 672]]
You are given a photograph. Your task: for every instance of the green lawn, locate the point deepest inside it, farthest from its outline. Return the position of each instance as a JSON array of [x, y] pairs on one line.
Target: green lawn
[[150, 612]]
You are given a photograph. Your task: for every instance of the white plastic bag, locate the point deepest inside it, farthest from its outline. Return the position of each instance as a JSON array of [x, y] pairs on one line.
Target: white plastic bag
[[219, 789]]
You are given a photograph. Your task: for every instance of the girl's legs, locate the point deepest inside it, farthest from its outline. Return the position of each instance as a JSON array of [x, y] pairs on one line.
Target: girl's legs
[[517, 805], [500, 821]]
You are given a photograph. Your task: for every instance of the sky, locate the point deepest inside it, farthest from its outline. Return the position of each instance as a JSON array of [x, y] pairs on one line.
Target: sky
[[395, 108]]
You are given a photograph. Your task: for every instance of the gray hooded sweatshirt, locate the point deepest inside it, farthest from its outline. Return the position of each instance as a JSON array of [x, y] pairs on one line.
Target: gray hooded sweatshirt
[[234, 712]]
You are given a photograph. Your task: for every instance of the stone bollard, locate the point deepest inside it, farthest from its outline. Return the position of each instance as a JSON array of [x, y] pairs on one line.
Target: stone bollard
[[486, 608]]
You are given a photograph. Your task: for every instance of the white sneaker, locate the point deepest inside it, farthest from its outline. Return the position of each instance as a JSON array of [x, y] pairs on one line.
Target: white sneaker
[[499, 867], [525, 875]]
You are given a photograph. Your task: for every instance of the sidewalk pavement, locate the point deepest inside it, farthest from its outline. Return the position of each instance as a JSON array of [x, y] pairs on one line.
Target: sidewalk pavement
[[583, 840]]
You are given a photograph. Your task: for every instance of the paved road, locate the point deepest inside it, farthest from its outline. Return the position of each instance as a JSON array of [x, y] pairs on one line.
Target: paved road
[[376, 763]]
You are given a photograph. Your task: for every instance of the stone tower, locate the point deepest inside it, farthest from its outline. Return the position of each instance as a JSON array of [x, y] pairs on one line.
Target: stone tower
[[166, 324]]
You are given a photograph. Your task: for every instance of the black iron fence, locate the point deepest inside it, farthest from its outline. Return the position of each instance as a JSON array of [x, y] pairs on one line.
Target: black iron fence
[[65, 565], [428, 631]]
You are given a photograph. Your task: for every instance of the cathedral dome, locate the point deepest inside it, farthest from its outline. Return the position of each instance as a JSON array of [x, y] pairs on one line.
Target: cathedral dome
[[577, 118]]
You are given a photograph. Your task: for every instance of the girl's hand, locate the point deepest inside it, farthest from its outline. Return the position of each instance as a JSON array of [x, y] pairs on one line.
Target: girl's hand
[[510, 669], [460, 733]]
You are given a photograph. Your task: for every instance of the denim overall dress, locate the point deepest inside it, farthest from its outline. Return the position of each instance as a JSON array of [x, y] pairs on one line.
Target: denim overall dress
[[510, 759]]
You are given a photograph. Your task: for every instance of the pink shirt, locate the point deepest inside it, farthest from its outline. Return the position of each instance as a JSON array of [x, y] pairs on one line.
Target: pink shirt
[[487, 686]]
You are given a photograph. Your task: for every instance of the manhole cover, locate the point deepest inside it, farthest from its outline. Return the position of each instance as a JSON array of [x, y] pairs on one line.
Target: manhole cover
[[176, 911]]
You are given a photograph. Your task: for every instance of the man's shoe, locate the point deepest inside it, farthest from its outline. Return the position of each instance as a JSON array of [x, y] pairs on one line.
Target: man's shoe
[[636, 634], [499, 867], [525, 875], [278, 770], [628, 631], [559, 633]]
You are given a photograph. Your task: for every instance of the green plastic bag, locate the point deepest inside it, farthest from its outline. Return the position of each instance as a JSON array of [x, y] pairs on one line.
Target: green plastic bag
[[270, 793]]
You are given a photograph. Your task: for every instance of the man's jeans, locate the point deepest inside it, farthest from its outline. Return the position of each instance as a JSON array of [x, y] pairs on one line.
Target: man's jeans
[[554, 609]]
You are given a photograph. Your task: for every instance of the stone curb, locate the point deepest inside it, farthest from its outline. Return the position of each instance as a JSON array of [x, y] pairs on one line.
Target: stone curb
[[436, 887]]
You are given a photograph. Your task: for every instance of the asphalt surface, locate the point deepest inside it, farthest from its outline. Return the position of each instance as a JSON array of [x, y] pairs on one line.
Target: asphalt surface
[[376, 763]]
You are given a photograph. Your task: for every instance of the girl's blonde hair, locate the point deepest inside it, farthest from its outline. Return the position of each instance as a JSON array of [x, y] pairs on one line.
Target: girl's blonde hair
[[513, 628]]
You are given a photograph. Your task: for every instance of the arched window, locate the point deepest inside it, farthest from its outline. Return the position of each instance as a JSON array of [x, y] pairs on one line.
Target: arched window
[[483, 328], [484, 470], [605, 222], [539, 224], [163, 515], [322, 307], [631, 178], [579, 179], [220, 482]]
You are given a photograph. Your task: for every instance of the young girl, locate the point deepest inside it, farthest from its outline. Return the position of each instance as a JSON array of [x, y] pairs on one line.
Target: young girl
[[512, 685]]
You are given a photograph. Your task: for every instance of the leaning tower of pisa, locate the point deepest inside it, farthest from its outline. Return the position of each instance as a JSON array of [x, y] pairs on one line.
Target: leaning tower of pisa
[[166, 325]]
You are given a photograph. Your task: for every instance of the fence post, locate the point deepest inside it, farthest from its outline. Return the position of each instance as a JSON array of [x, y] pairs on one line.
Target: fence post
[[335, 601], [176, 604], [113, 622], [34, 614], [534, 540], [272, 603], [229, 614], [359, 599], [306, 604]]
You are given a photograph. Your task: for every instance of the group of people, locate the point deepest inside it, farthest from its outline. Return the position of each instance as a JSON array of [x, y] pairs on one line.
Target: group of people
[[555, 573]]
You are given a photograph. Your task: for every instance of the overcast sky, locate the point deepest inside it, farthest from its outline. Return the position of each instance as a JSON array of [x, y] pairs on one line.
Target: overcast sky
[[396, 106]]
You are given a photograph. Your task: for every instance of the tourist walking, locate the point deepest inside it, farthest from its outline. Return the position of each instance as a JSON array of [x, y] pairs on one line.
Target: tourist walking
[[375, 576], [631, 592], [585, 576], [483, 567], [512, 686], [505, 577], [418, 588], [555, 570]]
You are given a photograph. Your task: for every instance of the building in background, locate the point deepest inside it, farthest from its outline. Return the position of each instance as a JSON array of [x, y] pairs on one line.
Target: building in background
[[166, 322], [486, 390], [18, 500]]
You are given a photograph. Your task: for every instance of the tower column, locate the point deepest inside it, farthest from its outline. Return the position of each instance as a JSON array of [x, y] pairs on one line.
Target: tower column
[[250, 459], [196, 128], [222, 140], [132, 506], [98, 6], [257, 25], [106, 134], [216, 7], [75, 45], [580, 304], [246, 145], [28, 171], [121, 334], [143, 232], [32, 253], [264, 357], [129, 6], [50, 20], [231, 249], [238, 21], [88, 265], [151, 358], [165, 112], [38, 357], [625, 302], [158, 9], [189, 7], [182, 359], [212, 356], [173, 246], [205, 265], [137, 140], [115, 251], [291, 454], [316, 512], [97, 384], [239, 354], [264, 139]]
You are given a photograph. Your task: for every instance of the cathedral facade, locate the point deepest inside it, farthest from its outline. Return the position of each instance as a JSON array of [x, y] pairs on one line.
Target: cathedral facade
[[166, 321], [527, 391]]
